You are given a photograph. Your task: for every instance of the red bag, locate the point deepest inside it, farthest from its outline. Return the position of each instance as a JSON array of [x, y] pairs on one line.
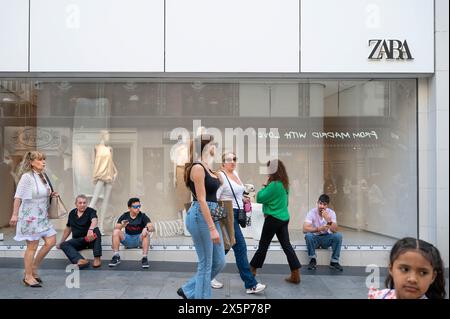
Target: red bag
[[87, 239]]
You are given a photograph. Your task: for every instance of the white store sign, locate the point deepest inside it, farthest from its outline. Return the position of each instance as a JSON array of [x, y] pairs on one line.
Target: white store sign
[[381, 36]]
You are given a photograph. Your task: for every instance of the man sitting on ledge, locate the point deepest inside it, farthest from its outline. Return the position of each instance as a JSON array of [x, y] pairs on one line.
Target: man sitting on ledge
[[137, 232], [320, 228], [82, 223]]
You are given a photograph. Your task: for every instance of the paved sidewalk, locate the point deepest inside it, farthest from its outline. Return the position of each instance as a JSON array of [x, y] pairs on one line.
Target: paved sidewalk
[[162, 280]]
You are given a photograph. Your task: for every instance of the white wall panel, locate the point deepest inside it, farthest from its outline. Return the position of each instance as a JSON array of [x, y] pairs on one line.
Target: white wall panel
[[335, 34], [97, 36], [13, 35], [232, 36]]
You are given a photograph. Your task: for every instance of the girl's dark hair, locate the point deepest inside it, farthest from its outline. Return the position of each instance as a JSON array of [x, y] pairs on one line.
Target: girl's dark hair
[[280, 174], [201, 141], [430, 253]]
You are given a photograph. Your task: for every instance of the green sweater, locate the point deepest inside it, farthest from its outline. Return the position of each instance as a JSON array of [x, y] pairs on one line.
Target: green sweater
[[275, 200]]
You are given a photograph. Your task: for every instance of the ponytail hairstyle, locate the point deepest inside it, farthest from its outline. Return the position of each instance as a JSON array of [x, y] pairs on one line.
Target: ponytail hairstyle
[[196, 148], [431, 254], [28, 158]]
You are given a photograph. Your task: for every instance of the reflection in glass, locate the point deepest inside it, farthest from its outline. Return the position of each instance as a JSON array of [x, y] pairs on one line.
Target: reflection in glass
[[353, 139]]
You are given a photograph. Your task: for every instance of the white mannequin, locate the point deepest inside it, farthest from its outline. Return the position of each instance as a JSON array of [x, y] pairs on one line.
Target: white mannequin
[[105, 173], [179, 154]]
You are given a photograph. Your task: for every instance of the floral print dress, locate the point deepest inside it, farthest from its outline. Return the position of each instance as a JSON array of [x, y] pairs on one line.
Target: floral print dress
[[33, 222]]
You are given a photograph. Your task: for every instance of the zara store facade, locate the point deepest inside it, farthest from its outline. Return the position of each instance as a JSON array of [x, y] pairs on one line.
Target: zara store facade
[[349, 94]]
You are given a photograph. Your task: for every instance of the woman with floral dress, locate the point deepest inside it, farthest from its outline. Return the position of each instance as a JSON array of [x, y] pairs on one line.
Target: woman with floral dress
[[30, 214]]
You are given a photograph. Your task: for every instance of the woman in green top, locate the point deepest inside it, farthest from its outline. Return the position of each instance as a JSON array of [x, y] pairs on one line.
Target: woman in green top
[[274, 197]]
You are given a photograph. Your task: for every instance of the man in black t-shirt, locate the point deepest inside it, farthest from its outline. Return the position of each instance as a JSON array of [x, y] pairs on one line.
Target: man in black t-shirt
[[137, 228], [82, 223]]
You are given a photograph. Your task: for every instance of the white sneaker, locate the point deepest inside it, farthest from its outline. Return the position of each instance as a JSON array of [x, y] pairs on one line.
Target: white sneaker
[[258, 288], [216, 284]]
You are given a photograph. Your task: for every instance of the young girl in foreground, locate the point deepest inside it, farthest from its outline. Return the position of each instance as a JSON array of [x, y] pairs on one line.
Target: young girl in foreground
[[416, 271]]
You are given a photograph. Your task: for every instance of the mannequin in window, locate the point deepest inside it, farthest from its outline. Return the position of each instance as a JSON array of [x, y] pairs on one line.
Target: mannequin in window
[[104, 175], [179, 155]]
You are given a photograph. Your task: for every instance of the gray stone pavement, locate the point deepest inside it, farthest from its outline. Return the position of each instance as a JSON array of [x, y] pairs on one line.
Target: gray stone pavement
[[129, 281]]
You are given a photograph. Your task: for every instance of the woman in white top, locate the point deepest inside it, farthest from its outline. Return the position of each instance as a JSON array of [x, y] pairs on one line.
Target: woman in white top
[[30, 214], [232, 183]]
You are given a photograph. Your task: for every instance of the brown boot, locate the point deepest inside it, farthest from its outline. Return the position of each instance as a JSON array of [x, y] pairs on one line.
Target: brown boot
[[253, 270], [294, 277]]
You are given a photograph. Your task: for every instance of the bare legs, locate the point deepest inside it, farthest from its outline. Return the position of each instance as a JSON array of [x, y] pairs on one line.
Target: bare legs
[[117, 237], [28, 260], [32, 261], [145, 242], [99, 186]]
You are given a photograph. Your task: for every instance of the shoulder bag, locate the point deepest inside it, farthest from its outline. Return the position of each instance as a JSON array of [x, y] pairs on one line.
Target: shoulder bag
[[242, 216], [57, 209]]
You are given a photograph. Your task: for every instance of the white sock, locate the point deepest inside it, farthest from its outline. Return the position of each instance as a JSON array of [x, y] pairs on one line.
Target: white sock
[[116, 253]]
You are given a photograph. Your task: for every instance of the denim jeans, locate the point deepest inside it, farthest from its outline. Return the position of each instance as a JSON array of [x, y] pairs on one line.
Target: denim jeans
[[211, 257], [324, 241], [240, 253], [72, 246]]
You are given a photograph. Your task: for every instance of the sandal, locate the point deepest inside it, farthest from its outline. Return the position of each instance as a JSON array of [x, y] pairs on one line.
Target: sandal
[[38, 279], [38, 285]]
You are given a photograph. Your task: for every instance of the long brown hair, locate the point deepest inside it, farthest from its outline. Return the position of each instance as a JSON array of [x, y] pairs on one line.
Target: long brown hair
[[280, 174], [28, 157], [202, 140]]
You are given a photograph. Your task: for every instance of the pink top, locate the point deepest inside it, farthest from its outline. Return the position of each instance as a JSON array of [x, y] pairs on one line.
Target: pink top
[[375, 293], [384, 294]]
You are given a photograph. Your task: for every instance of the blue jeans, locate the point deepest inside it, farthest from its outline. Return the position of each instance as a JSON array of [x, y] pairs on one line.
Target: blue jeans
[[324, 241], [211, 257], [240, 253]]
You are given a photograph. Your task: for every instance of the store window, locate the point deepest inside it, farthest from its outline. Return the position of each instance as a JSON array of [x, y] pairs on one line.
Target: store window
[[352, 139]]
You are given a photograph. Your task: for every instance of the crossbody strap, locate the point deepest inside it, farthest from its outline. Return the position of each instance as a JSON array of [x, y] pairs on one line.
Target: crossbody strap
[[231, 189], [51, 187], [49, 183]]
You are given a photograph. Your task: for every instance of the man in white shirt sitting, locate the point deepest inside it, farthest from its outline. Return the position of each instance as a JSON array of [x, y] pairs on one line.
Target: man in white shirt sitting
[[320, 228]]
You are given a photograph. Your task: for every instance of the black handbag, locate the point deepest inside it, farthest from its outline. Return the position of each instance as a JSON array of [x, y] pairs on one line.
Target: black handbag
[[242, 216], [219, 212], [216, 214]]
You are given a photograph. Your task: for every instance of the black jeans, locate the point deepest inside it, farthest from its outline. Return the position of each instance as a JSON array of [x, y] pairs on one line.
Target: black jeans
[[273, 226], [72, 246]]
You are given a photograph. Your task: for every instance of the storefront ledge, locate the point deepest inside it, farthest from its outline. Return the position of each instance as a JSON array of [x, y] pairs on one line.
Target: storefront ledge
[[349, 257], [192, 248]]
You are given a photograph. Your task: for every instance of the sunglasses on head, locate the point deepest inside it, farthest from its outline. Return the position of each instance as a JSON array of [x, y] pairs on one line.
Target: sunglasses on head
[[135, 206]]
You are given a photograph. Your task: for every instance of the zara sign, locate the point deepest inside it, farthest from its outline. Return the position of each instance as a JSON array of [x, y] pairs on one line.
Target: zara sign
[[389, 49]]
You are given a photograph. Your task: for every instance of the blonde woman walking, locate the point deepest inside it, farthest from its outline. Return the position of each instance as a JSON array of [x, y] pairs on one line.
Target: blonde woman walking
[[30, 214]]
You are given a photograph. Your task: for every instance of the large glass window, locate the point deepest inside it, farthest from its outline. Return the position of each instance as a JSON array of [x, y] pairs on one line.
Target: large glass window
[[354, 140]]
